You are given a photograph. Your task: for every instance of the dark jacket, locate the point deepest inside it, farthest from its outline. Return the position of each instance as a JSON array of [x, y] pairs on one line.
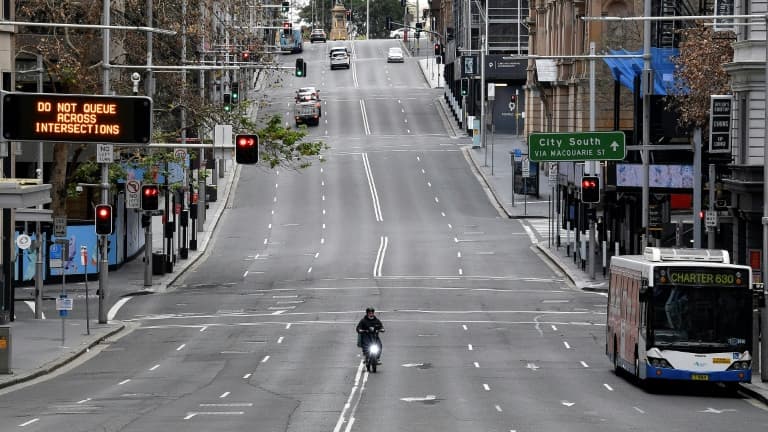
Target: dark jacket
[[366, 323]]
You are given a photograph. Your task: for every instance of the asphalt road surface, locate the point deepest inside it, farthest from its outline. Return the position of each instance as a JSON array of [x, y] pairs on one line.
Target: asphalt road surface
[[481, 334]]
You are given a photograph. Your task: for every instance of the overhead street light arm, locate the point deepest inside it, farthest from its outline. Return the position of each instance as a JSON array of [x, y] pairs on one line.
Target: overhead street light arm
[[88, 26]]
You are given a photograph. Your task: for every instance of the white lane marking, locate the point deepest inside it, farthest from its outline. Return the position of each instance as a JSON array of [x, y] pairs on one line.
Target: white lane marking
[[531, 234], [203, 328], [477, 365], [245, 274], [568, 404], [532, 366], [464, 326], [379, 263], [246, 376], [310, 270], [566, 345], [125, 381], [583, 363], [181, 347], [83, 401], [458, 254], [608, 387], [469, 347], [639, 410], [366, 126], [498, 408], [353, 400], [487, 387], [193, 414], [264, 360], [154, 367], [29, 422], [461, 272], [116, 307], [234, 404], [280, 340], [372, 188], [287, 326], [354, 76], [223, 395], [429, 184], [419, 398], [554, 327], [31, 305]]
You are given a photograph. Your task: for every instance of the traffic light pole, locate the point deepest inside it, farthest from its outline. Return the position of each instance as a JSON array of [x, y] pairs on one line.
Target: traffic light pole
[[103, 243], [148, 252]]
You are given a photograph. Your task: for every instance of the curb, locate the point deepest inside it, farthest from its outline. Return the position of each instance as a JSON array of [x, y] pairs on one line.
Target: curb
[[490, 191], [62, 361]]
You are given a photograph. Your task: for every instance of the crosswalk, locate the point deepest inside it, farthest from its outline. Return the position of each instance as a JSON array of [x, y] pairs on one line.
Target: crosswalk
[[543, 229]]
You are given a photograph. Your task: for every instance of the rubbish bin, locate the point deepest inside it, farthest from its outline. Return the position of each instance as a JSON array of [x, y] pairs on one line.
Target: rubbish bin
[[211, 193], [158, 263], [5, 350]]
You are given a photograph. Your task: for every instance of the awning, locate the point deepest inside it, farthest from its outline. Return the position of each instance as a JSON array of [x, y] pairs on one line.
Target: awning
[[625, 69]]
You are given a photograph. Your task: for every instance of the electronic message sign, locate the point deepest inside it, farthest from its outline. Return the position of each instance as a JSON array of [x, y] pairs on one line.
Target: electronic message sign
[[76, 118]]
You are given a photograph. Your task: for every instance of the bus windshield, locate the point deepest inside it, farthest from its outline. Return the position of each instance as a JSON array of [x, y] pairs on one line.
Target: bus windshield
[[700, 318]]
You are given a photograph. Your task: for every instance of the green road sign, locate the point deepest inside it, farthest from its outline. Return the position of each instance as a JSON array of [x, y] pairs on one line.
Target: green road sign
[[577, 146]]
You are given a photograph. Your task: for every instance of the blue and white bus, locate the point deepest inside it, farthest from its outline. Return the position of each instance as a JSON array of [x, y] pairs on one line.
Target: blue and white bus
[[680, 314], [293, 42]]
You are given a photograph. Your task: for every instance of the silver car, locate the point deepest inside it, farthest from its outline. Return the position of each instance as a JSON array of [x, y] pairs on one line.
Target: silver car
[[395, 54], [340, 59]]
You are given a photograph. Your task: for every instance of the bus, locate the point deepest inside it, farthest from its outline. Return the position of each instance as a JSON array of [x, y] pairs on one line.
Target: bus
[[292, 42], [680, 314]]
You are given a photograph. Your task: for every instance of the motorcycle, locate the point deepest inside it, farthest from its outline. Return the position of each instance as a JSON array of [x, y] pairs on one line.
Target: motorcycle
[[372, 348]]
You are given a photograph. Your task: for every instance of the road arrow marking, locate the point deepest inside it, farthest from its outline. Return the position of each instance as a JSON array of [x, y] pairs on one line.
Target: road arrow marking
[[568, 404], [532, 366], [716, 411], [419, 399]]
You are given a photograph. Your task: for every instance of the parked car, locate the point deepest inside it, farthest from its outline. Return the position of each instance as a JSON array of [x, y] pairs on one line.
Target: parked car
[[395, 55], [317, 35]]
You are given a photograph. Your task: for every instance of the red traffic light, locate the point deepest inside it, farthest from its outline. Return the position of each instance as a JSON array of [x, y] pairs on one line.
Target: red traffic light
[[246, 55], [150, 195], [247, 149], [590, 189], [103, 219]]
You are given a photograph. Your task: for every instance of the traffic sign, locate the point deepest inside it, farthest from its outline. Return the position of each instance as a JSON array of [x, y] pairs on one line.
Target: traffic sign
[[76, 118], [60, 226], [105, 153], [23, 241], [132, 194], [578, 146], [526, 167]]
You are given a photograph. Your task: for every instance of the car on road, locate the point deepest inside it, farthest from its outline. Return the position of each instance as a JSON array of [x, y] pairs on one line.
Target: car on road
[[317, 35], [395, 55], [340, 59]]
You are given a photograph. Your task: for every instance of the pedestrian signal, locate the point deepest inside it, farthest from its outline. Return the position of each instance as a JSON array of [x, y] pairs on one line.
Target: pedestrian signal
[[464, 86], [301, 68]]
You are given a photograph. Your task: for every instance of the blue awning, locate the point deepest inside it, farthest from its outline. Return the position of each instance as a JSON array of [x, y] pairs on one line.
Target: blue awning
[[625, 69]]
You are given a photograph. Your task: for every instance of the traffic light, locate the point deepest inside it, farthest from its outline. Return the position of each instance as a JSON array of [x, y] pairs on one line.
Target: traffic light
[[227, 102], [590, 189], [437, 49], [389, 23], [103, 219], [235, 93], [247, 149], [150, 196], [513, 98], [419, 25], [286, 6], [245, 56], [464, 86], [287, 28], [301, 68]]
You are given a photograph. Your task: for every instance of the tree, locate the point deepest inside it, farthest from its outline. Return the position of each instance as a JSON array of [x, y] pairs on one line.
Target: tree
[[73, 64], [699, 73]]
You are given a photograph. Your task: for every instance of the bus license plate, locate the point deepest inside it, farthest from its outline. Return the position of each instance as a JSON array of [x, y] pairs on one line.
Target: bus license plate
[[699, 377]]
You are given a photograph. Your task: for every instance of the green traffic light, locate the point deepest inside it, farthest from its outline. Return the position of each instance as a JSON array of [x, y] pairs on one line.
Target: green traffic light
[[227, 108]]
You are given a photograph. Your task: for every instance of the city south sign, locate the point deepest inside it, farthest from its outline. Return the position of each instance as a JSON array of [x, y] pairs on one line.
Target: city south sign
[[577, 146]]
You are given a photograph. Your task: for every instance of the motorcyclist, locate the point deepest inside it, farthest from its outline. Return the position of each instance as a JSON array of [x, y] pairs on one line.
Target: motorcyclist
[[365, 335]]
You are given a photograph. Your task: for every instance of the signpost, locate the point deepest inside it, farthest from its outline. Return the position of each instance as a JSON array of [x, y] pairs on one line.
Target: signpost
[[578, 146], [133, 194]]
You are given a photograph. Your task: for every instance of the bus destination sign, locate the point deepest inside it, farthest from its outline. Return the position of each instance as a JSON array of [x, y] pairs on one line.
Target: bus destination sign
[[76, 118], [700, 276]]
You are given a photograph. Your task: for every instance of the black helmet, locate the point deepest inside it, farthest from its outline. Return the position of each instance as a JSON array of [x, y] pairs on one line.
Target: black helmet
[[370, 309]]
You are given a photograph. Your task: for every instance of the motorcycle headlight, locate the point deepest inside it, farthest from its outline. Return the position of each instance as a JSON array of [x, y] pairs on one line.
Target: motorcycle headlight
[[374, 349]]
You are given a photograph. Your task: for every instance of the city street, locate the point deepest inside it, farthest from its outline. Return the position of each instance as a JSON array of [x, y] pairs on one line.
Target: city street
[[482, 332]]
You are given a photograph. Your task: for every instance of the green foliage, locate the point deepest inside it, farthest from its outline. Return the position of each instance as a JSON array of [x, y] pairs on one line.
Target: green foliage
[[284, 146]]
